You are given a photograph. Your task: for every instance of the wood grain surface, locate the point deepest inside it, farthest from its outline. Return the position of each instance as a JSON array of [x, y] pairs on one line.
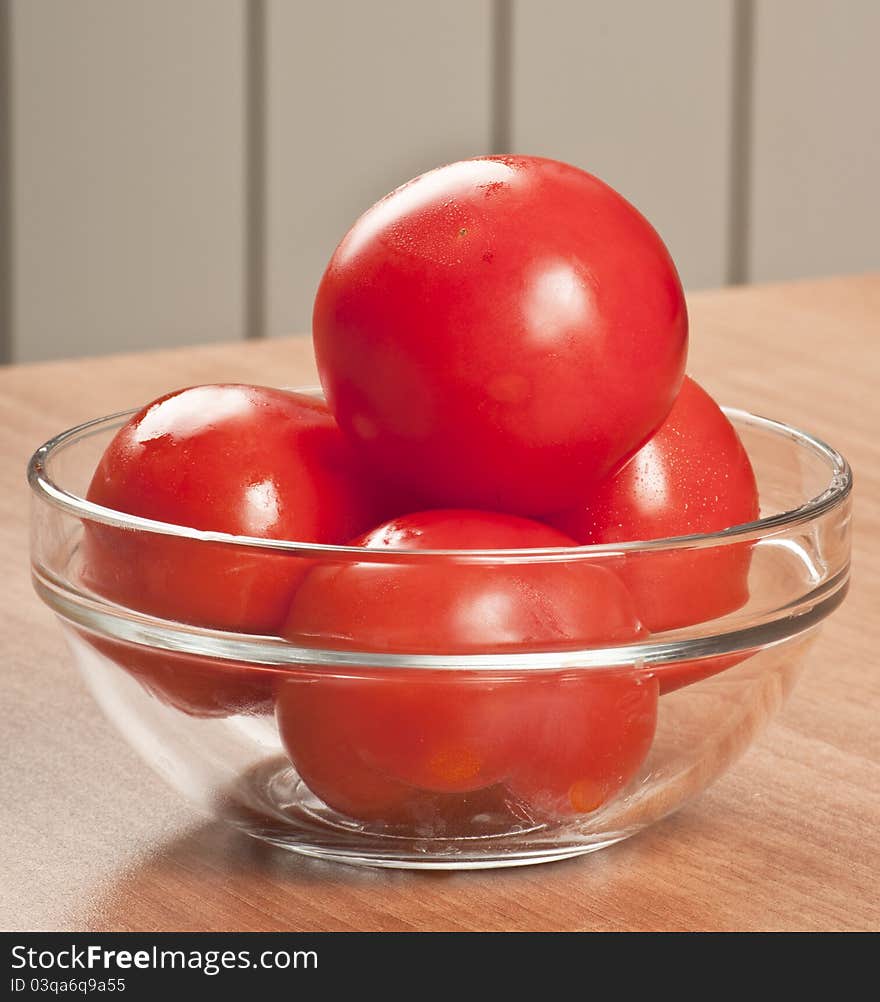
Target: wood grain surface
[[788, 839]]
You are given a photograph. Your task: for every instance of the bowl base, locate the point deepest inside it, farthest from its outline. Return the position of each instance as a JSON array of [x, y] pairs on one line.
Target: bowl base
[[272, 804], [401, 861]]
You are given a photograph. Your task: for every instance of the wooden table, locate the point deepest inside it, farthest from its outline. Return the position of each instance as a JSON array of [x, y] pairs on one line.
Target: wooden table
[[89, 839]]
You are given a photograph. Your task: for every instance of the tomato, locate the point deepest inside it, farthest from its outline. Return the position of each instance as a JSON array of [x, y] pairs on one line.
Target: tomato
[[564, 743], [693, 476], [453, 731], [237, 459], [245, 460], [499, 332]]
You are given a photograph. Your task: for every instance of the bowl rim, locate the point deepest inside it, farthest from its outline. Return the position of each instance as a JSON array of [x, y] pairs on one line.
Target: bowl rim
[[834, 494]]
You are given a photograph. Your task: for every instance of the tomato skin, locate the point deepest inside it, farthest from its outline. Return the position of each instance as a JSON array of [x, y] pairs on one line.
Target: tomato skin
[[433, 730], [424, 729], [693, 476], [500, 331], [586, 734], [245, 460], [311, 727]]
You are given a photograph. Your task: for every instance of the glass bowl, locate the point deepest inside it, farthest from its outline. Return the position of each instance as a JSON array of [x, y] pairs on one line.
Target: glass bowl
[[478, 758]]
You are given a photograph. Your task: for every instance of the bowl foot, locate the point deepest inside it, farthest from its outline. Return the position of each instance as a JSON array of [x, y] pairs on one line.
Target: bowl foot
[[489, 830], [401, 861]]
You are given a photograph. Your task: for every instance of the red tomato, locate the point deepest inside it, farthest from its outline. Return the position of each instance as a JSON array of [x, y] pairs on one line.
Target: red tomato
[[245, 460], [395, 747], [498, 332], [450, 731], [694, 476], [238, 459]]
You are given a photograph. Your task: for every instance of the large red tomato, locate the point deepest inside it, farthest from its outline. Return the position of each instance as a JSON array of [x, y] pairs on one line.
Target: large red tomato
[[244, 460], [693, 476], [498, 332], [458, 731]]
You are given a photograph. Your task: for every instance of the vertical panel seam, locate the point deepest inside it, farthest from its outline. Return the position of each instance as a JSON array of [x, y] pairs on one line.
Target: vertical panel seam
[[501, 79], [6, 193], [741, 141], [254, 264]]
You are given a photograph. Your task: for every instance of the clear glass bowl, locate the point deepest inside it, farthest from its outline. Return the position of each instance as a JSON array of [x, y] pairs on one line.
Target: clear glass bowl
[[542, 753]]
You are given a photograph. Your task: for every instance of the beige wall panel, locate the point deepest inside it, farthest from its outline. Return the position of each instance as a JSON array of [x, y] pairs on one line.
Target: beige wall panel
[[816, 145], [361, 97], [127, 147], [638, 93]]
